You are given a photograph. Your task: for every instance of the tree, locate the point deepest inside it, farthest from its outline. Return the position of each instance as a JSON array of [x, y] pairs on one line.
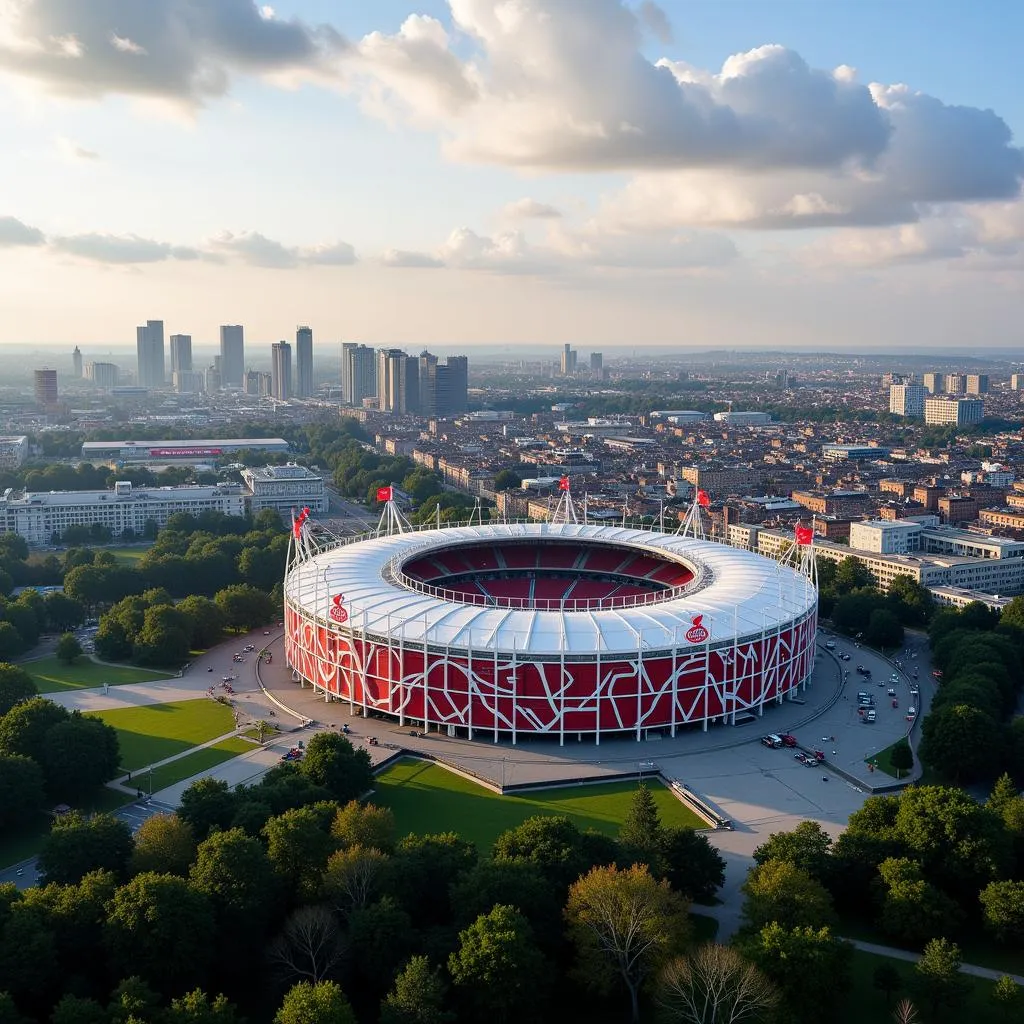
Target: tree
[[553, 843], [853, 574], [23, 729], [506, 480], [78, 756], [22, 790], [359, 824], [905, 1012], [498, 972], [323, 1003], [810, 966], [713, 985], [418, 996], [244, 607], [197, 1007], [1004, 792], [207, 804], [298, 846], [62, 612], [423, 870], [15, 686], [887, 979], [165, 638], [309, 947], [112, 642], [161, 927], [937, 980], [332, 762], [851, 614], [9, 1011], [884, 629], [77, 845], [205, 619], [913, 910], [691, 864], [779, 891], [68, 649], [1002, 905], [11, 642], [164, 844], [1007, 998], [901, 757], [641, 828], [624, 923], [808, 846], [382, 939], [75, 1010], [958, 741], [353, 877]]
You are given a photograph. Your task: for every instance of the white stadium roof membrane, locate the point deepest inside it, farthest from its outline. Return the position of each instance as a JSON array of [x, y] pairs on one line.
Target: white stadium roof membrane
[[738, 593]]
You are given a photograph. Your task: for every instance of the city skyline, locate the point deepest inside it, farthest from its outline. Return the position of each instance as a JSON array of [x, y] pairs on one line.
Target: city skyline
[[728, 177]]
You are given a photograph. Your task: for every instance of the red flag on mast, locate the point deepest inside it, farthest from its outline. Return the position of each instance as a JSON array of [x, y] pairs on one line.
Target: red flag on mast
[[703, 499], [804, 534], [563, 484], [383, 493]]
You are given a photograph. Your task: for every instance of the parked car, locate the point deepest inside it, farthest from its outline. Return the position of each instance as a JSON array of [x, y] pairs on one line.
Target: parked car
[[772, 740], [870, 716], [831, 645], [788, 740], [844, 657]]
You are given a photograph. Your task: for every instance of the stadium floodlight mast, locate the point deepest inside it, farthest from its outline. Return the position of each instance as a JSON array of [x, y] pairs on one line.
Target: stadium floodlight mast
[[693, 524], [565, 510], [392, 519]]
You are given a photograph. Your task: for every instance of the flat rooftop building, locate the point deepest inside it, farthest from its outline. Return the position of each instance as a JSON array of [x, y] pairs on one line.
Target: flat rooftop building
[[198, 449], [284, 488], [13, 451], [41, 517]]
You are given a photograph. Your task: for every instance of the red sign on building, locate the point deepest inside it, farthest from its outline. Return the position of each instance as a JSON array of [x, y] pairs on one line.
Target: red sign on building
[[697, 633]]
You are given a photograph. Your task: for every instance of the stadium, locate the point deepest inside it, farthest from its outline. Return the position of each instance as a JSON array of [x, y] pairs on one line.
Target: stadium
[[564, 629]]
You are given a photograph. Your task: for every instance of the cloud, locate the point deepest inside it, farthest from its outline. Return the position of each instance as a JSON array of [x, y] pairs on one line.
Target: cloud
[[655, 20], [764, 142], [180, 50], [14, 232], [407, 258], [257, 250], [530, 209], [71, 151], [121, 249]]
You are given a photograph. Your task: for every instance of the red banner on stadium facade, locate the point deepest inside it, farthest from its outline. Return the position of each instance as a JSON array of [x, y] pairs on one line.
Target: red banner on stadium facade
[[337, 610], [697, 633]]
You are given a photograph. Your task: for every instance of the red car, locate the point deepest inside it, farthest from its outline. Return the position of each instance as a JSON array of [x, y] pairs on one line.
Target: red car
[[788, 740]]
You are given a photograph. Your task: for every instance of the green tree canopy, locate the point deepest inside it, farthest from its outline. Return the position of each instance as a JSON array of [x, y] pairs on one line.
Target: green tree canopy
[[779, 891], [68, 649], [15, 686], [77, 845], [324, 1003]]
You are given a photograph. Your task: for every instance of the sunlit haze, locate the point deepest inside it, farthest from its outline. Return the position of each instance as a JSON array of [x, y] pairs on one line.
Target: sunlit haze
[[476, 173]]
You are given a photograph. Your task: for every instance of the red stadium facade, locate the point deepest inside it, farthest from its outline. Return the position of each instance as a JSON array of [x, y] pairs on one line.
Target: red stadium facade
[[473, 650]]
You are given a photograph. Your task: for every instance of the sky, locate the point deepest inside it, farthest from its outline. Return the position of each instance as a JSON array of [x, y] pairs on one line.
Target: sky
[[777, 173]]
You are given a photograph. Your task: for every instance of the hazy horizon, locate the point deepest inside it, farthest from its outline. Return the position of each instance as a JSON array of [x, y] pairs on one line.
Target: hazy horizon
[[458, 174]]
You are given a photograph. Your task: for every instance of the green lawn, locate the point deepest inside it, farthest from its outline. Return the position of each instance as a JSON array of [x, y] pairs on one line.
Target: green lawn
[[867, 1005], [197, 763], [128, 556], [883, 762], [428, 798], [51, 675], [155, 731]]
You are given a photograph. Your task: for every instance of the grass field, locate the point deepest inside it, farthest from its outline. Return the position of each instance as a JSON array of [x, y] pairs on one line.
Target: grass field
[[127, 556], [51, 675], [427, 798], [155, 731], [196, 763], [867, 1005], [883, 762]]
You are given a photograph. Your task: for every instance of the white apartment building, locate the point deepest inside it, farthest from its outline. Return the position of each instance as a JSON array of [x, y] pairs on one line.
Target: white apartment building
[[886, 537], [40, 516], [13, 451], [744, 418], [957, 412], [907, 400], [284, 488]]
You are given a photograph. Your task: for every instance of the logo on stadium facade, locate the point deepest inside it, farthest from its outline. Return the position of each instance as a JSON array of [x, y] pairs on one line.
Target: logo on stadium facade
[[337, 611], [184, 453], [697, 633]]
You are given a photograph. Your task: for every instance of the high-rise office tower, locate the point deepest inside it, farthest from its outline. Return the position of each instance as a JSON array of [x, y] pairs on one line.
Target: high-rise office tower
[[103, 375], [76, 362], [387, 362], [181, 353], [907, 400], [213, 381], [452, 386], [428, 383], [977, 383], [596, 363], [303, 362], [149, 346], [934, 383], [45, 386], [1017, 382], [568, 364], [955, 383], [398, 388], [281, 370], [232, 356], [358, 373]]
